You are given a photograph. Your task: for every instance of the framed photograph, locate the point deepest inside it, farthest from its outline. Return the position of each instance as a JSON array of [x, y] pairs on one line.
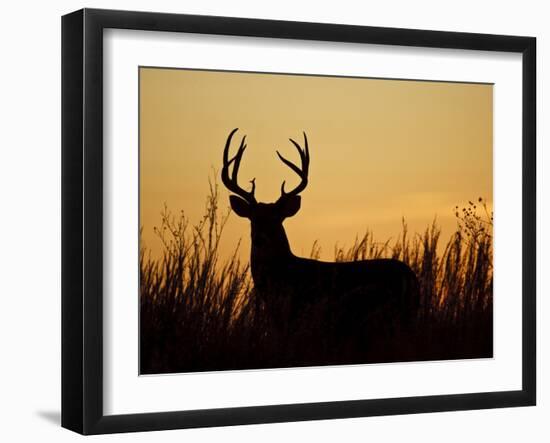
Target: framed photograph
[[268, 221]]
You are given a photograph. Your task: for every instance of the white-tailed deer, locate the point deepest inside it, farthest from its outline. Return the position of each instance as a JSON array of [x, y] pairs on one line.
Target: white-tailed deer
[[277, 273]]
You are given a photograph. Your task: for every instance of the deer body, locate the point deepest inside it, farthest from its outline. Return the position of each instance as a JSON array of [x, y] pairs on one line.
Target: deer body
[[279, 274]]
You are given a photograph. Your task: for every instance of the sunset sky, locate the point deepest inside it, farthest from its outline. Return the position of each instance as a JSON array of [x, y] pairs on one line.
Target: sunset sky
[[380, 150]]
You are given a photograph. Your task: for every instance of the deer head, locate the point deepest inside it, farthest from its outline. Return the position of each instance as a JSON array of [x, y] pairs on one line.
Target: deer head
[[266, 218]]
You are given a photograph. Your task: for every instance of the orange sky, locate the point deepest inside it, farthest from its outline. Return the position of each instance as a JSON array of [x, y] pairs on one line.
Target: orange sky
[[380, 150]]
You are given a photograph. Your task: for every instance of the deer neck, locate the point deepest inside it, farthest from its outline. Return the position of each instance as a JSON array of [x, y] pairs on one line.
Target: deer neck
[[270, 250]]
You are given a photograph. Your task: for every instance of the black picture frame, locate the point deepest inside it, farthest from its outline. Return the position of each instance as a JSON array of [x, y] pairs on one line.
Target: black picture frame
[[82, 219]]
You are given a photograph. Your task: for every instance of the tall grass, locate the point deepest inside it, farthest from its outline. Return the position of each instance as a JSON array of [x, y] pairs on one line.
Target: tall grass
[[197, 314]]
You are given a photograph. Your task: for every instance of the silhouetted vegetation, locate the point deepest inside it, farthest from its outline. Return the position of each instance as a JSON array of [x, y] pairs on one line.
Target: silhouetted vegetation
[[198, 314]]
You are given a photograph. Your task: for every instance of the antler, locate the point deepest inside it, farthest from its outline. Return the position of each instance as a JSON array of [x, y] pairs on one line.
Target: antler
[[302, 172], [231, 183]]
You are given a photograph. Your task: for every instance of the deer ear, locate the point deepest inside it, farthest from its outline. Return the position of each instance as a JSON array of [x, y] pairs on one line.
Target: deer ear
[[290, 205], [240, 206]]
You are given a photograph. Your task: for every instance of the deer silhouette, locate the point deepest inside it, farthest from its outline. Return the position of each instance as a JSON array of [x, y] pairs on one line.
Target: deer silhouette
[[278, 274]]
